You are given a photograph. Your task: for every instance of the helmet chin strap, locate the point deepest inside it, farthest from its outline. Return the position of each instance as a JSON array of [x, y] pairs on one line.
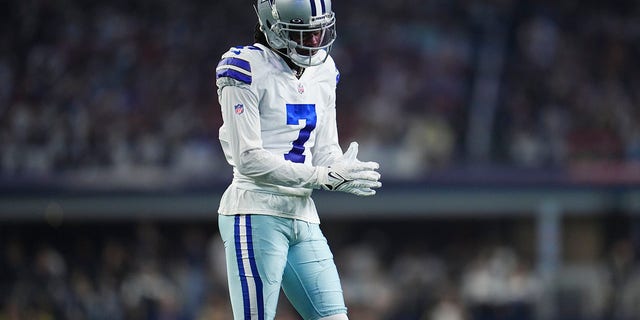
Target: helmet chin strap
[[291, 45], [293, 65], [308, 61]]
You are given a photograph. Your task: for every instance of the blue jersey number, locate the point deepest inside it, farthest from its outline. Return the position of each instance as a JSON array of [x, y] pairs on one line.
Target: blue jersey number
[[296, 113]]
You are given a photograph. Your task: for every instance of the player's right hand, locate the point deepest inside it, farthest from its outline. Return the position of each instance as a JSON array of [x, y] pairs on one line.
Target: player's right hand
[[350, 175]]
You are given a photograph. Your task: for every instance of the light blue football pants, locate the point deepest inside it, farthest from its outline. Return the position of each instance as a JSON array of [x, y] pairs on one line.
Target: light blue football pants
[[265, 253]]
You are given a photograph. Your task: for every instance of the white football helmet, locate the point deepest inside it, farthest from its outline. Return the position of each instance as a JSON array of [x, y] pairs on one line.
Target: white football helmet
[[304, 30]]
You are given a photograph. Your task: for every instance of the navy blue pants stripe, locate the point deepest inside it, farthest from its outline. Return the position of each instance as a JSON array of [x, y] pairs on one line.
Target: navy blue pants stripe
[[253, 272]]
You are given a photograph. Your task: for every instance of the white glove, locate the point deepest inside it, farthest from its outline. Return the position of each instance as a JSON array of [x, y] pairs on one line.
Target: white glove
[[350, 175]]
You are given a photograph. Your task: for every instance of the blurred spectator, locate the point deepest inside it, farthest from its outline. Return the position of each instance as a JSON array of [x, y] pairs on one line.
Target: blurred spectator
[[165, 271], [498, 286], [447, 307], [121, 92]]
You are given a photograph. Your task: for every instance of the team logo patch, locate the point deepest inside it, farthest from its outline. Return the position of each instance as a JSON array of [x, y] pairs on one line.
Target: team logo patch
[[239, 108], [300, 88]]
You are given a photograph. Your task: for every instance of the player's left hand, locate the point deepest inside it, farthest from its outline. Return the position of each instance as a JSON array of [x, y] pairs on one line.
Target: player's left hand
[[350, 175]]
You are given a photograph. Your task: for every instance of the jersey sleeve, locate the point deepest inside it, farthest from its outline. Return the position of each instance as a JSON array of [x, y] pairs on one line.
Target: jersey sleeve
[[327, 148]]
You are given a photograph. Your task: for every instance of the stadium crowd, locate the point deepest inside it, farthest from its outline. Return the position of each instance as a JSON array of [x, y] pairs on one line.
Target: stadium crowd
[[150, 270], [106, 94], [107, 88]]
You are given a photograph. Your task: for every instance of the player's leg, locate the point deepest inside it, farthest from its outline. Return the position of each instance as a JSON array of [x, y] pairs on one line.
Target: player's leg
[[341, 316], [256, 251], [310, 279]]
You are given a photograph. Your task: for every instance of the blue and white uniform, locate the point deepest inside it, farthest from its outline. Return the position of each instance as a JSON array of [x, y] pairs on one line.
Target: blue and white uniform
[[277, 129]]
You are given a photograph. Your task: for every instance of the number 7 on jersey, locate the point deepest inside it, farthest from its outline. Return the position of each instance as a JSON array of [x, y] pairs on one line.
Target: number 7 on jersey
[[295, 114]]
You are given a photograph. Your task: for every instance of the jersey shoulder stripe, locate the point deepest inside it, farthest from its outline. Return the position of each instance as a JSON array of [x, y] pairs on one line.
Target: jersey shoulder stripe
[[235, 68], [235, 65]]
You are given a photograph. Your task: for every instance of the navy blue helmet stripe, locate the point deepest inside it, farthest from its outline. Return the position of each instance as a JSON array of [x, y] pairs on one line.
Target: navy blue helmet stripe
[[233, 74], [314, 11], [324, 8], [232, 61]]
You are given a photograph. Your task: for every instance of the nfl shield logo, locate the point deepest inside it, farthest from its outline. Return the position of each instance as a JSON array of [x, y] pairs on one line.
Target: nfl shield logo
[[239, 108], [300, 88]]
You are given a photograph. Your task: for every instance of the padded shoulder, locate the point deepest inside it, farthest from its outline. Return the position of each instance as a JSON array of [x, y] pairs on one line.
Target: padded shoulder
[[235, 65]]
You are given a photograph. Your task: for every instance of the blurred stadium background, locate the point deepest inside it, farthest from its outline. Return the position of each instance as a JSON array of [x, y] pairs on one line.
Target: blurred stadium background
[[508, 132]]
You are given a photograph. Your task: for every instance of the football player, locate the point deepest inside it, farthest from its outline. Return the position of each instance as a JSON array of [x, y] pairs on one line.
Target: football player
[[279, 134]]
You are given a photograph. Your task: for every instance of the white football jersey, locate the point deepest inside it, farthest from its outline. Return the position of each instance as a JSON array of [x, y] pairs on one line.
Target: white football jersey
[[276, 129]]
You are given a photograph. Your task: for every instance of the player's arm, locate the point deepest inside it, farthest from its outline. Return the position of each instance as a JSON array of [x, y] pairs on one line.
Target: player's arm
[[242, 118], [252, 160], [327, 147], [327, 152]]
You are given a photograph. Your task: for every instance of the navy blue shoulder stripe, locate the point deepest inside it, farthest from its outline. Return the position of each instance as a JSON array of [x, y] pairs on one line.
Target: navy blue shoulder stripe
[[233, 61], [235, 68]]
